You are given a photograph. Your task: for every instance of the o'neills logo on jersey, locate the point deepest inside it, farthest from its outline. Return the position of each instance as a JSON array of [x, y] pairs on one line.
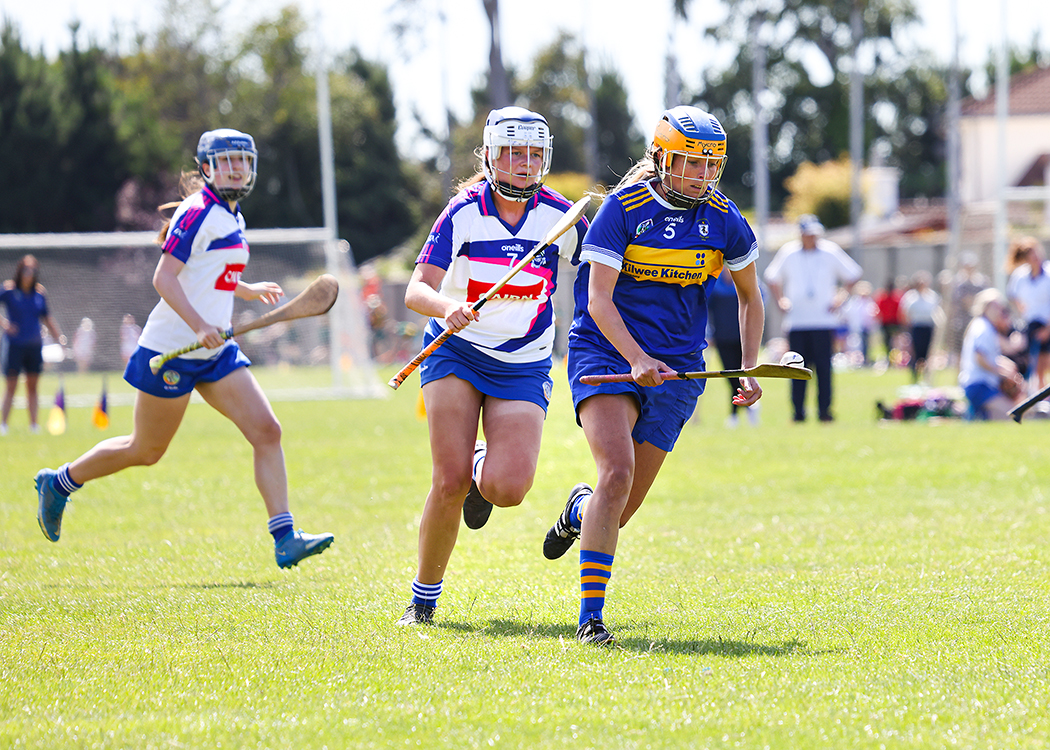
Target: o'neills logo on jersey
[[521, 292], [228, 279]]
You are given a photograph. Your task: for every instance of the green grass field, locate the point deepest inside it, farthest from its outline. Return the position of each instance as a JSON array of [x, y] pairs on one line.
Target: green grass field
[[853, 585]]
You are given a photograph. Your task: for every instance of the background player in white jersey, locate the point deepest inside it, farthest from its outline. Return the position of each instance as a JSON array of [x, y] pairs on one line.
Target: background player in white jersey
[[496, 369], [655, 247], [198, 275]]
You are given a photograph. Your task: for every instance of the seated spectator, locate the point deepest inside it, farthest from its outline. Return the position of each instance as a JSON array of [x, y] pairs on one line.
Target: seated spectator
[[990, 380]]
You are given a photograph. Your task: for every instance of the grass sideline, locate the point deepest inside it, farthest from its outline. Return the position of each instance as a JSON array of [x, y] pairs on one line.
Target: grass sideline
[[853, 585]]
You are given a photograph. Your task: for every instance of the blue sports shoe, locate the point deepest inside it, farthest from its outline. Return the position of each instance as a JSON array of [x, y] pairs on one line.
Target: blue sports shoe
[[298, 545], [52, 505]]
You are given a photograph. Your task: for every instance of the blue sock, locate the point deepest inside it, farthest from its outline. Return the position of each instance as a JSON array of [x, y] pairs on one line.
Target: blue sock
[[64, 484], [595, 572], [426, 593], [280, 525], [576, 514]]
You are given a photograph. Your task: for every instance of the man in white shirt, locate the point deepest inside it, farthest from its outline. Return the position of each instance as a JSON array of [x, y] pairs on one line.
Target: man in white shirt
[[805, 277]]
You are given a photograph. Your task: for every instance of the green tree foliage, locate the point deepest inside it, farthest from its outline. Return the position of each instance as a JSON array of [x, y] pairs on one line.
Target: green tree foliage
[[59, 147], [555, 88], [809, 117]]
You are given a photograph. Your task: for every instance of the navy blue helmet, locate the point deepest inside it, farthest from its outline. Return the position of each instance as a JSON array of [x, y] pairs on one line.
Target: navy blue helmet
[[216, 145]]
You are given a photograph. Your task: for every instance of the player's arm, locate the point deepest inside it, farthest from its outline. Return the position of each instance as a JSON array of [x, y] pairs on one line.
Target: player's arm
[[644, 369], [166, 282], [422, 296], [267, 292], [752, 322]]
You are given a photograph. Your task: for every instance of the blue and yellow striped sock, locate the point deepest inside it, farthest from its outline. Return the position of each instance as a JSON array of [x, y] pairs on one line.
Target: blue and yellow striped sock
[[595, 572]]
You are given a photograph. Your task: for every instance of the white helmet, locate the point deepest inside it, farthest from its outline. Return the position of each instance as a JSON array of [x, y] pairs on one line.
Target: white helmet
[[515, 126]]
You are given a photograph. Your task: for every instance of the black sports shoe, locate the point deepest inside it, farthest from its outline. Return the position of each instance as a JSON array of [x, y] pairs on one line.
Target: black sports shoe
[[594, 631], [562, 534], [476, 509], [417, 614]]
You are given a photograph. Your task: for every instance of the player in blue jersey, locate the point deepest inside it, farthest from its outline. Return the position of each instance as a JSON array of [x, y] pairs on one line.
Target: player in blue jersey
[[496, 370], [24, 304], [656, 245], [198, 275]]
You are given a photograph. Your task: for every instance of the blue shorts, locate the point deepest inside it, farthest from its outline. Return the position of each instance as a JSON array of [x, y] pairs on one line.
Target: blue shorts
[[530, 381], [979, 394], [179, 376], [28, 358], [664, 410]]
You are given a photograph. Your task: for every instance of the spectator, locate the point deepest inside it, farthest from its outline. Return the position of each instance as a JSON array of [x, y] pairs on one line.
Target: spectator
[[804, 278], [84, 344], [991, 381], [963, 288], [1028, 289], [861, 315], [723, 322], [24, 301], [920, 312], [129, 337], [889, 301]]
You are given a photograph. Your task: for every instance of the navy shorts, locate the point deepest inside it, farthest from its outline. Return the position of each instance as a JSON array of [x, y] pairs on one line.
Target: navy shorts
[[179, 376], [530, 381], [27, 358], [664, 410]]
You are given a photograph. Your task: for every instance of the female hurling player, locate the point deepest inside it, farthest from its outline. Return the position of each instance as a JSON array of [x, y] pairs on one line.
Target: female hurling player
[[656, 245], [496, 369], [198, 275]]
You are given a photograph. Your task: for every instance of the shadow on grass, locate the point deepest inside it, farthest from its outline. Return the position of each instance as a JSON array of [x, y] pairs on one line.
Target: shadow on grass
[[704, 647], [226, 585]]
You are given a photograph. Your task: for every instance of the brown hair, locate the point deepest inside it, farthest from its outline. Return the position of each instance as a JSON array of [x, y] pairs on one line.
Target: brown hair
[[26, 261], [1018, 253], [189, 183]]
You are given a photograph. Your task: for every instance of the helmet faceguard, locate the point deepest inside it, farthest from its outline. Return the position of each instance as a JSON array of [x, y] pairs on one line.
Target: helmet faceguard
[[699, 138], [510, 127], [217, 147]]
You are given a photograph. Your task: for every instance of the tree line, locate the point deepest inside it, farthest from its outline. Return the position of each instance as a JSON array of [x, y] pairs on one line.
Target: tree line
[[95, 140]]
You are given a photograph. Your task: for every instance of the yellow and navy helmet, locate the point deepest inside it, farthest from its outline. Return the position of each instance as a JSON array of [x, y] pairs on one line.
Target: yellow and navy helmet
[[695, 134], [515, 126]]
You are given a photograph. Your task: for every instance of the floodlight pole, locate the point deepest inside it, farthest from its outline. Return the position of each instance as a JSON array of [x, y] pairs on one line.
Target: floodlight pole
[[1002, 106], [856, 131], [759, 130]]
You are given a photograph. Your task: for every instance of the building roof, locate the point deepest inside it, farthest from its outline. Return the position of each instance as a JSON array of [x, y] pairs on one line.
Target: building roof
[[1029, 95]]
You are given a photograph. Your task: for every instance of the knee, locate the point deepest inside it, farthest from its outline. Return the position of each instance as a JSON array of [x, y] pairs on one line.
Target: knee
[[617, 480], [266, 433], [506, 492], [450, 486]]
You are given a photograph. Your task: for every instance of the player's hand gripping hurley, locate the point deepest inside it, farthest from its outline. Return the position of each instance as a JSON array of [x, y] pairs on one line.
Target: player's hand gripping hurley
[[790, 372], [316, 299], [564, 224]]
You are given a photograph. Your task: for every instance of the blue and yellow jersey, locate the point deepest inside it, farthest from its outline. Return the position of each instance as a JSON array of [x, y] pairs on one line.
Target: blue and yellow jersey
[[667, 258]]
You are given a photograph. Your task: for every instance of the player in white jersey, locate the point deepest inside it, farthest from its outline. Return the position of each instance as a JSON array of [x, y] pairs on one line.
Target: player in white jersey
[[496, 369], [198, 275]]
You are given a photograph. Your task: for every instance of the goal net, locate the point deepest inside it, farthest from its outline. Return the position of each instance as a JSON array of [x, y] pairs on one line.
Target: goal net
[[99, 283]]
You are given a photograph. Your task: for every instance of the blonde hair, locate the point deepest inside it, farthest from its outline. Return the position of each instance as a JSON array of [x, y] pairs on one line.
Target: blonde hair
[[986, 297]]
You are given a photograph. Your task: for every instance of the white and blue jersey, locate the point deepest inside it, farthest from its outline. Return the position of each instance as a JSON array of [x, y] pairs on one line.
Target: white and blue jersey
[[477, 248], [667, 258], [209, 239]]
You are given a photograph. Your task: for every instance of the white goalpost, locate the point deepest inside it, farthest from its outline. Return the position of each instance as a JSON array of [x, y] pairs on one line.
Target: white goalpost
[[104, 277]]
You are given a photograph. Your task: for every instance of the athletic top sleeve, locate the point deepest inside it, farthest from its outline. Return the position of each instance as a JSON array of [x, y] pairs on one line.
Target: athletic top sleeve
[[209, 239], [476, 248], [667, 258]]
